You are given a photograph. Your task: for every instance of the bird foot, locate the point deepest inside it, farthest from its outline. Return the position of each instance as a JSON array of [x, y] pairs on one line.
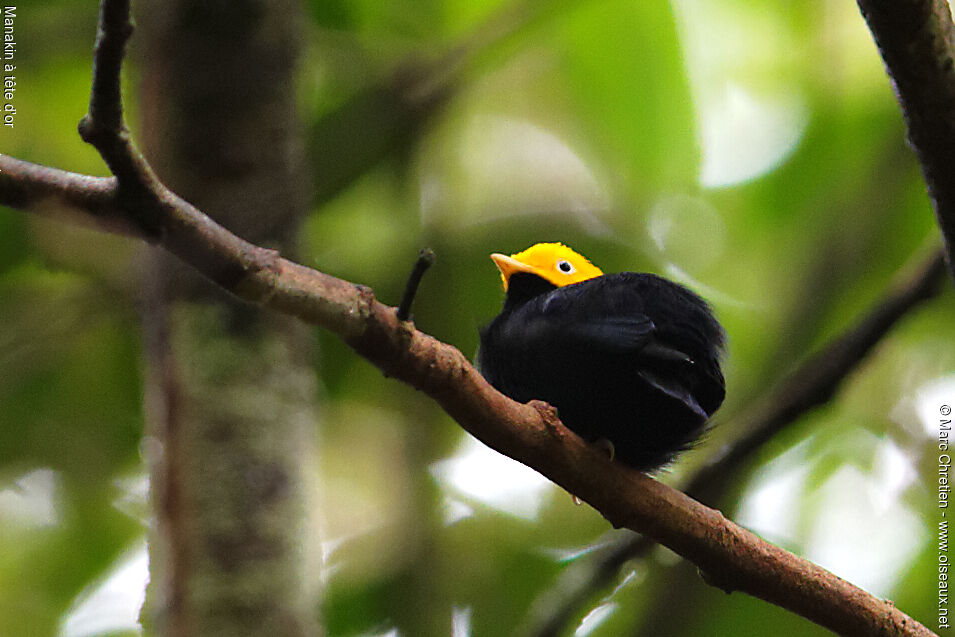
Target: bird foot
[[606, 446], [603, 445]]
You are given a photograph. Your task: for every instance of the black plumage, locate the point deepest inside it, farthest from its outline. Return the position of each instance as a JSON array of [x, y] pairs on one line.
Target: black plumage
[[631, 358]]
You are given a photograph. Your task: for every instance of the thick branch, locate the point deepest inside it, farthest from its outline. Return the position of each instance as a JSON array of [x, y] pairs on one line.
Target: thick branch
[[916, 39], [732, 558]]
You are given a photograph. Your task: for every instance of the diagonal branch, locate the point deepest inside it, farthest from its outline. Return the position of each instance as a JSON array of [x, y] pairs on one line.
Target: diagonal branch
[[730, 556], [916, 39]]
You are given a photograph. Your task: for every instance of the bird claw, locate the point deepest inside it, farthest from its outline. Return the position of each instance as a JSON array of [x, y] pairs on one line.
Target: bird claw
[[606, 446]]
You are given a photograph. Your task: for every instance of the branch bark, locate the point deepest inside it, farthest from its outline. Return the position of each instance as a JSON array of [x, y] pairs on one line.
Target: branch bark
[[916, 39], [81, 198], [731, 557]]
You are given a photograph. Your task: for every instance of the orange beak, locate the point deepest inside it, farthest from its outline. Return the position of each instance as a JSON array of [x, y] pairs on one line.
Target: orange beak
[[508, 266]]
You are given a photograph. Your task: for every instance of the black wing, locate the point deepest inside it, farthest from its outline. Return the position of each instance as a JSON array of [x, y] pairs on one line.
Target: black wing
[[630, 317]]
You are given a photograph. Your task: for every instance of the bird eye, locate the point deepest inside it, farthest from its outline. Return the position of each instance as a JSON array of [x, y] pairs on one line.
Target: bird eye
[[565, 266]]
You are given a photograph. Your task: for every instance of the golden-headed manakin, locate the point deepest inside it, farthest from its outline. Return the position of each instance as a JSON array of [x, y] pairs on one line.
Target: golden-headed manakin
[[632, 359]]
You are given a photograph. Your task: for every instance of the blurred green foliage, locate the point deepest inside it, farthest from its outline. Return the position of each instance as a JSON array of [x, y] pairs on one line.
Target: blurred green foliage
[[754, 152]]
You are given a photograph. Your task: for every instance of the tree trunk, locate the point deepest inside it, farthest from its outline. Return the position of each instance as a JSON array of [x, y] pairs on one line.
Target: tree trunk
[[230, 391]]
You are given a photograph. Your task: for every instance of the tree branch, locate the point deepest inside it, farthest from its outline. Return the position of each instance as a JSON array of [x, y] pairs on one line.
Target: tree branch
[[114, 29], [731, 557], [916, 39], [81, 198], [103, 126]]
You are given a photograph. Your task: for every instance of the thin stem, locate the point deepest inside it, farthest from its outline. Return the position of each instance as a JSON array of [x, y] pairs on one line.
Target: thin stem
[[424, 261]]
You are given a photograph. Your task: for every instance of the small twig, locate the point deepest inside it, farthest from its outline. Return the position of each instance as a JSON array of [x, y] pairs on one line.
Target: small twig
[[113, 32], [425, 260], [103, 126]]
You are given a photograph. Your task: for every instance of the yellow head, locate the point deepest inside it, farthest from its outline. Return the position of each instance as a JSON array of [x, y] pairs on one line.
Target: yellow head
[[553, 262]]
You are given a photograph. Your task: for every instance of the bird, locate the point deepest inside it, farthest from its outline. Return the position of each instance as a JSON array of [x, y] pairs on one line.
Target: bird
[[631, 361]]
